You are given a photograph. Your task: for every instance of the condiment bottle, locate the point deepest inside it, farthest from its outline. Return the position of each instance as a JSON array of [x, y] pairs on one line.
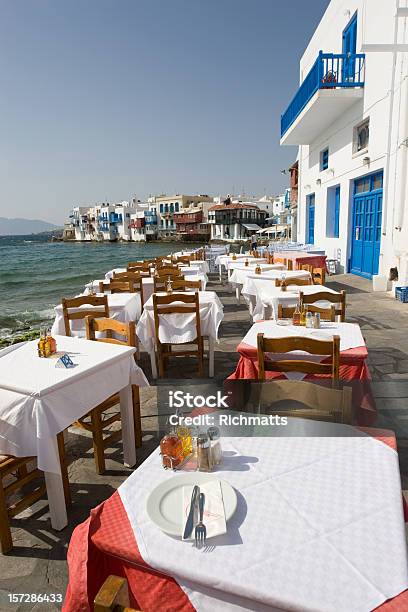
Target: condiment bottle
[[296, 315], [246, 262], [216, 451], [171, 449], [41, 344], [234, 257], [258, 269], [52, 342], [303, 315], [309, 319], [204, 460], [169, 287]]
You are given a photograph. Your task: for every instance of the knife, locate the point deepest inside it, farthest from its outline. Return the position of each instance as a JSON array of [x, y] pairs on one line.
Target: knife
[[190, 519]]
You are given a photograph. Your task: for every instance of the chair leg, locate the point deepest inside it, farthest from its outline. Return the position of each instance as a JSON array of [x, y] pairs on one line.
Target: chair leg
[[160, 362], [201, 358], [97, 438], [64, 471], [6, 543], [137, 416]]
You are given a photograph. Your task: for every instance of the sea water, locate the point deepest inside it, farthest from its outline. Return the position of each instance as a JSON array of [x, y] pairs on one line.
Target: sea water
[[36, 273]]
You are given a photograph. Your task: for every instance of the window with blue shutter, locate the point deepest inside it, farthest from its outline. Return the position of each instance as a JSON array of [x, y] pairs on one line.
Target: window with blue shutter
[[324, 159]]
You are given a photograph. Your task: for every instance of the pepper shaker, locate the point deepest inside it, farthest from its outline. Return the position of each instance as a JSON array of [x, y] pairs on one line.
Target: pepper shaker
[[204, 462]]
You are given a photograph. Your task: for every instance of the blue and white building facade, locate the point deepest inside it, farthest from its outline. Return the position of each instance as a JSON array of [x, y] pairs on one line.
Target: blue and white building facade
[[349, 118]]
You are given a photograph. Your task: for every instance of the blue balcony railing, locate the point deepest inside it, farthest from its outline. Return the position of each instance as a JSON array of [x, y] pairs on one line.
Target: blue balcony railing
[[330, 71]]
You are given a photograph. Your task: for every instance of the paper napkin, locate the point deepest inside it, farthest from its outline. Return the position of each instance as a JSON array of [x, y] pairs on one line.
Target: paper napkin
[[214, 512]]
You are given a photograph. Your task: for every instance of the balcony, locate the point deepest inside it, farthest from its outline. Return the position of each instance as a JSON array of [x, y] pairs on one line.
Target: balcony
[[196, 217], [334, 83]]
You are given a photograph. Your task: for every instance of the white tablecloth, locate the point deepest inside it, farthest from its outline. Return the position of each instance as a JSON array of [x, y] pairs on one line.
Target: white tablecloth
[[123, 307], [201, 265], [38, 400], [319, 527], [239, 272], [148, 284], [350, 333], [179, 328], [263, 297]]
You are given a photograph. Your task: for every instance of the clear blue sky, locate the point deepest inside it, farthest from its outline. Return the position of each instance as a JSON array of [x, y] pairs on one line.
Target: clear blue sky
[[104, 99]]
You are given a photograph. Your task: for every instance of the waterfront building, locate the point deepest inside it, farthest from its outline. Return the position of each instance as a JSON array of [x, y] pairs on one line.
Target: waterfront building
[[123, 213], [192, 222], [168, 206], [144, 223], [235, 221], [83, 221], [349, 118]]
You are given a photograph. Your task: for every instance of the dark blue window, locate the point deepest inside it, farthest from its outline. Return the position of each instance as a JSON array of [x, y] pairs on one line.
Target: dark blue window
[[333, 212], [324, 159]]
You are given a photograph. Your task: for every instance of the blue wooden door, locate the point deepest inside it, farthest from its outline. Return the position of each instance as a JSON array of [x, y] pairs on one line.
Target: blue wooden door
[[349, 49], [310, 219], [366, 226]]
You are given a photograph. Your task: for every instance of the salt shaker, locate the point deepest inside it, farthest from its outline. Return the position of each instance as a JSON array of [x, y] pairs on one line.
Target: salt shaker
[[204, 461], [309, 319], [216, 451]]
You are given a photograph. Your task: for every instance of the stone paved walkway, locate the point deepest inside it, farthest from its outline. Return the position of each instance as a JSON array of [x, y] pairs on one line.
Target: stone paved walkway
[[37, 563]]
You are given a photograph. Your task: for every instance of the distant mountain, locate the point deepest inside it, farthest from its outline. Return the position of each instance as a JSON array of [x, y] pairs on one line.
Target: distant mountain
[[16, 227]]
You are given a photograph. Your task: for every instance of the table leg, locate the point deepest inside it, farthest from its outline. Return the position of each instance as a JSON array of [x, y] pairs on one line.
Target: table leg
[[128, 427], [211, 357], [220, 272], [237, 293], [153, 365], [56, 500]]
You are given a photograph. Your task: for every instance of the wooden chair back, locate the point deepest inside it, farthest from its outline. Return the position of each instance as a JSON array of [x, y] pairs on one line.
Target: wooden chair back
[[113, 596], [318, 274], [136, 278], [110, 326], [281, 346], [98, 308], [326, 314], [285, 312], [298, 282], [167, 271], [337, 304], [138, 265], [178, 303], [117, 286], [288, 263], [185, 259], [185, 285], [160, 282], [314, 401]]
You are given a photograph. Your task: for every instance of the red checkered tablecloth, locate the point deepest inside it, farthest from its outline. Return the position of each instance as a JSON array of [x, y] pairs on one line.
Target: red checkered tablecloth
[[104, 544]]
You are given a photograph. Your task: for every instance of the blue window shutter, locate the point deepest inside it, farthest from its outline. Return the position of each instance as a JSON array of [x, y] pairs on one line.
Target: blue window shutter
[[336, 229]]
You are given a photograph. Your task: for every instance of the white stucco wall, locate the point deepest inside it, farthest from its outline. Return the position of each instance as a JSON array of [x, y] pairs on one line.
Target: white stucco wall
[[384, 104]]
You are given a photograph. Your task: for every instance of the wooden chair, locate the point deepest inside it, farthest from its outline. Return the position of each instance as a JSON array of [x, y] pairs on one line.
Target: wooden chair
[[164, 305], [185, 285], [160, 282], [137, 281], [288, 263], [99, 308], [113, 596], [337, 304], [138, 265], [281, 346], [117, 286], [19, 473], [168, 269], [185, 259], [319, 276], [298, 282], [314, 401], [95, 421]]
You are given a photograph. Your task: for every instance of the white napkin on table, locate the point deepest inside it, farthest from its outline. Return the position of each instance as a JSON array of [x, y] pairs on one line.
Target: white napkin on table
[[214, 511]]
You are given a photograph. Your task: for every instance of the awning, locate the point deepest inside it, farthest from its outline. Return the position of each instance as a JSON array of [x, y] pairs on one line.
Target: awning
[[251, 226]]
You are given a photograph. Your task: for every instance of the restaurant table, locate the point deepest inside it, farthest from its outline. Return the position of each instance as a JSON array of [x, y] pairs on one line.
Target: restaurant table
[[201, 264], [179, 328], [353, 356], [270, 272], [39, 400], [263, 296], [148, 283], [123, 307], [299, 258], [319, 526], [223, 261]]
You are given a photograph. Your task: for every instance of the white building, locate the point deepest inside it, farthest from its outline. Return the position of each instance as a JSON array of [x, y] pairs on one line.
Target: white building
[[349, 118]]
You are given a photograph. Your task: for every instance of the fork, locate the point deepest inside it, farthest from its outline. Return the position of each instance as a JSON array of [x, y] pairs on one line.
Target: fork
[[200, 530]]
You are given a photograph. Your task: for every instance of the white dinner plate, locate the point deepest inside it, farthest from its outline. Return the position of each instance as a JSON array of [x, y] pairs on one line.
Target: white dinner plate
[[164, 504]]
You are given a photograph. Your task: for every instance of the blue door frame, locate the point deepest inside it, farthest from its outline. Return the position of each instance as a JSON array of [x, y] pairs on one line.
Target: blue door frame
[[366, 225], [310, 219], [349, 48]]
